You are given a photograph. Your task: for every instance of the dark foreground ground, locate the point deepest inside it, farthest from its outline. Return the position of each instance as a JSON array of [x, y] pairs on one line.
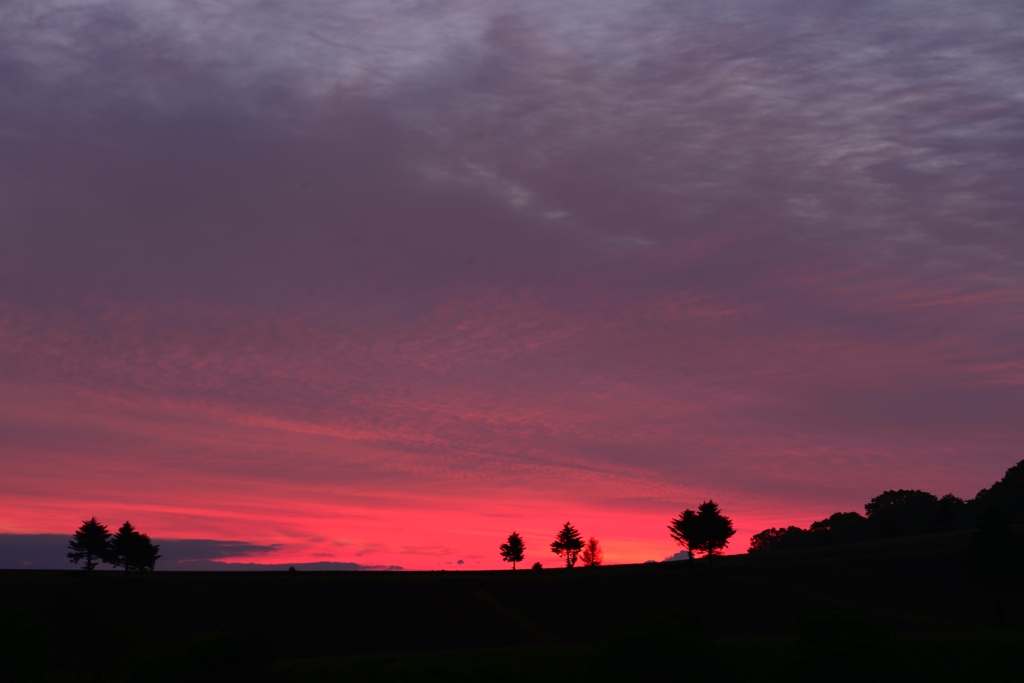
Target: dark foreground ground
[[897, 610]]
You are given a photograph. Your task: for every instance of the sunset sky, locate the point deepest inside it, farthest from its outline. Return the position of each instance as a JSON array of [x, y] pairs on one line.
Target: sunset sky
[[378, 282]]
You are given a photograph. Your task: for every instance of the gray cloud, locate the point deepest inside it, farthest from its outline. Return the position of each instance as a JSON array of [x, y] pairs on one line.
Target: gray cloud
[[182, 551], [638, 125]]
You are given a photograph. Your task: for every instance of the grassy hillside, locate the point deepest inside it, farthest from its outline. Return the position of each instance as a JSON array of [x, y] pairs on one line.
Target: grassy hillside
[[906, 602]]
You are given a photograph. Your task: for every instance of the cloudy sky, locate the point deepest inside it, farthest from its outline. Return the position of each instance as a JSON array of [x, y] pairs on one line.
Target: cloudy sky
[[378, 282]]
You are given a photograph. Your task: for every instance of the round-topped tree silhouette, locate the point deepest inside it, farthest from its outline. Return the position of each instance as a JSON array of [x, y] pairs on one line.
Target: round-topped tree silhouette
[[705, 531], [512, 550]]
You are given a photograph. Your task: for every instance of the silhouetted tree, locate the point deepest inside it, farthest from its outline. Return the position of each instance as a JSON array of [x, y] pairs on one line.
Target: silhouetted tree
[[90, 543], [950, 511], [713, 529], [900, 513], [568, 544], [993, 555], [778, 539], [903, 513], [132, 550], [592, 554], [841, 527], [537, 565], [684, 530], [512, 550], [1006, 496]]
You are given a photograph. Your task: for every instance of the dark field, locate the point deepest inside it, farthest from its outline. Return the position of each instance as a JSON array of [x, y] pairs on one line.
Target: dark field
[[895, 610]]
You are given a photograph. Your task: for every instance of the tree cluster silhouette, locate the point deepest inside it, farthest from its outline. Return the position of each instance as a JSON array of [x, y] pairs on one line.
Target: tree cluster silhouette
[[902, 512], [127, 548], [568, 544]]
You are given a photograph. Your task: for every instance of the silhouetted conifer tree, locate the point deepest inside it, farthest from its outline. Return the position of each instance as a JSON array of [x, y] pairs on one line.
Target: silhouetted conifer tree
[[90, 543], [537, 566], [132, 550], [512, 550], [568, 544], [592, 554]]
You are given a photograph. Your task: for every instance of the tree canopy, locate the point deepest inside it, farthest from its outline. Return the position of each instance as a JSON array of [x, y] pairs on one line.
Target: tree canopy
[[684, 529], [568, 544], [592, 554], [512, 550], [90, 543], [1006, 496], [903, 512], [132, 550], [705, 530], [714, 528]]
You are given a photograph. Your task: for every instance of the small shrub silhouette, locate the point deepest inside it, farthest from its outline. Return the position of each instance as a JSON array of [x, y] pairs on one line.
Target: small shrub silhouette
[[537, 566]]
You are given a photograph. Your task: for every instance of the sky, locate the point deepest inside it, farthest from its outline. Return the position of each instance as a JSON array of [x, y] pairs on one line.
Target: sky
[[378, 282]]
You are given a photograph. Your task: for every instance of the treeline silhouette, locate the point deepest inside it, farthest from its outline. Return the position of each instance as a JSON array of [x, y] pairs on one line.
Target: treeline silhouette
[[701, 532], [568, 545], [127, 548], [895, 514], [704, 531]]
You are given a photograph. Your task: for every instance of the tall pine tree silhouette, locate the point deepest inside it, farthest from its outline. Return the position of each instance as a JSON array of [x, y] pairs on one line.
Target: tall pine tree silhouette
[[592, 554], [568, 544], [90, 543]]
